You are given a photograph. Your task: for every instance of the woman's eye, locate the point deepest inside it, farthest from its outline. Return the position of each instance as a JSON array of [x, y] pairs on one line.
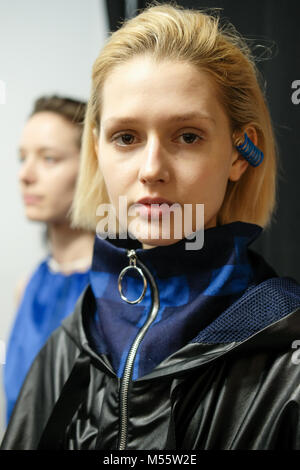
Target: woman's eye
[[126, 139], [49, 159], [190, 137]]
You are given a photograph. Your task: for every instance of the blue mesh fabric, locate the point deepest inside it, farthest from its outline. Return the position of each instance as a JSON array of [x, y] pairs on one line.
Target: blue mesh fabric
[[258, 307]]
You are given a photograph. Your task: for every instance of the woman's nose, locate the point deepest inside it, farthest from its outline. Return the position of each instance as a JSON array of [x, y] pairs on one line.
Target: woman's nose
[[154, 163], [28, 171]]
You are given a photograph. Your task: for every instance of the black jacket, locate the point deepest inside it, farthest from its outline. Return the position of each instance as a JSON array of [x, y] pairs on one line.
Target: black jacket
[[241, 395]]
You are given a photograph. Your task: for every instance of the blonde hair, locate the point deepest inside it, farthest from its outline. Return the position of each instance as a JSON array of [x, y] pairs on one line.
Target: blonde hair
[[196, 37]]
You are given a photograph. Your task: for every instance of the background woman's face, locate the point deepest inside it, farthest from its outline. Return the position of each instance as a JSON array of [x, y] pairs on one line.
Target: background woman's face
[[49, 156], [164, 134]]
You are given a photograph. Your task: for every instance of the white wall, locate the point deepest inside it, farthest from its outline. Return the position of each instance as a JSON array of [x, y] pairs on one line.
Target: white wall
[[45, 47]]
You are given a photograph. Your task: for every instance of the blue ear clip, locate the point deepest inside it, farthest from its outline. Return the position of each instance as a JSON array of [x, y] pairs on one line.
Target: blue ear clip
[[250, 152]]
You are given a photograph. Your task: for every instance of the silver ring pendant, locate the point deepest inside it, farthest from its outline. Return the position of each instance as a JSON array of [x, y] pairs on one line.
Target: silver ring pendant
[[122, 273]]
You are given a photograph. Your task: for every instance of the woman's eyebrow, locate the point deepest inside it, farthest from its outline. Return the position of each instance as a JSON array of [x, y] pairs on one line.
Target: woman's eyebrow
[[39, 149], [171, 118]]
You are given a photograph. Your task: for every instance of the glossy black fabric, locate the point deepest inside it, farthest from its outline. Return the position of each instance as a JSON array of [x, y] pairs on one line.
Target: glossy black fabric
[[205, 396]]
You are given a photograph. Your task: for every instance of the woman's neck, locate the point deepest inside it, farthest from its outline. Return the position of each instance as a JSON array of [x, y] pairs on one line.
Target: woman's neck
[[69, 245]]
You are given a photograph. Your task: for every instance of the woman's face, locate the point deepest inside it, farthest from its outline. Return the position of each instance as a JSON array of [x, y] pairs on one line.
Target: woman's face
[[49, 156], [165, 136]]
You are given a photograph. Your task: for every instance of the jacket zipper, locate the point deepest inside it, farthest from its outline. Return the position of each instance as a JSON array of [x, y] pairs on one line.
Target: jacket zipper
[[125, 381]]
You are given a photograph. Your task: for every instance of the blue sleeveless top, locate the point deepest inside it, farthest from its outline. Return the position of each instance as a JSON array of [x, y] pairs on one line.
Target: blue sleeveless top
[[48, 298]]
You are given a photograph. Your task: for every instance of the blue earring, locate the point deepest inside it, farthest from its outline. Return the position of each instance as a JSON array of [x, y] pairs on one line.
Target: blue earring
[[250, 152]]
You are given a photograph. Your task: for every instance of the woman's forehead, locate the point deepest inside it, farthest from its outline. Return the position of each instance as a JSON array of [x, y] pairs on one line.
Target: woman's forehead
[[143, 71], [48, 129], [176, 90]]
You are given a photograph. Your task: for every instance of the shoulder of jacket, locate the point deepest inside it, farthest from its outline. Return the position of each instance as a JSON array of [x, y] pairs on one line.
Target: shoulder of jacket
[[74, 324]]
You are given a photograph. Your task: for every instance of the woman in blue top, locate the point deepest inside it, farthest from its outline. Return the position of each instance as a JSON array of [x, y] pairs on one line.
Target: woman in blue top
[[49, 155]]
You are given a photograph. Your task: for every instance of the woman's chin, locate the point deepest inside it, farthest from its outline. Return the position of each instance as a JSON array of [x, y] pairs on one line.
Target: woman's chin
[[148, 242], [154, 243], [33, 216]]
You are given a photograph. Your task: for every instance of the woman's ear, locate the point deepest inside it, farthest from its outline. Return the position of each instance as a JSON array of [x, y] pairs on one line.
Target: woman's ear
[[239, 164]]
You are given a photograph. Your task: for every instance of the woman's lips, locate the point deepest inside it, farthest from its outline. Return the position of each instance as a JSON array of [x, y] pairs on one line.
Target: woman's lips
[[154, 200], [31, 200], [155, 211], [154, 208]]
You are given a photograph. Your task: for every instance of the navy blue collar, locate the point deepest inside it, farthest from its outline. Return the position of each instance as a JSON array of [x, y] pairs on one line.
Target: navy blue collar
[[111, 254], [195, 287]]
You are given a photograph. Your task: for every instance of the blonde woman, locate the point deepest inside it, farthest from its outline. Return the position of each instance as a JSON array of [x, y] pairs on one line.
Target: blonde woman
[[180, 341]]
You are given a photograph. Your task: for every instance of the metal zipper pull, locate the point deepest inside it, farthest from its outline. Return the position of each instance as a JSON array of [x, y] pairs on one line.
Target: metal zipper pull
[[127, 374], [132, 265]]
